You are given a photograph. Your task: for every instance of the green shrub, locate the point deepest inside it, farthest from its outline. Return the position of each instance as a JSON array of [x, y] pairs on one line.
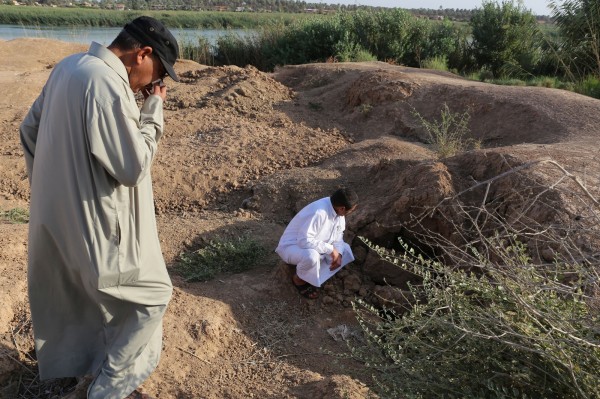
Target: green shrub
[[506, 36], [15, 215], [218, 256], [502, 302], [506, 328], [348, 51], [390, 35], [449, 135]]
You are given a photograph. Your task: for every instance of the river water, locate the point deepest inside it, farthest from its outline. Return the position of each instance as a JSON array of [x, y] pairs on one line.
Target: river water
[[104, 36]]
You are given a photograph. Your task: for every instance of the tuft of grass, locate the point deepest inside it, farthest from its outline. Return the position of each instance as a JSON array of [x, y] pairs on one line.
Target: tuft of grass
[[508, 82], [589, 86], [219, 256], [551, 82], [439, 63], [15, 215]]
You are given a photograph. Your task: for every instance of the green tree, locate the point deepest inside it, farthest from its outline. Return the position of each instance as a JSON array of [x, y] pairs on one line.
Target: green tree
[[506, 38], [579, 24]]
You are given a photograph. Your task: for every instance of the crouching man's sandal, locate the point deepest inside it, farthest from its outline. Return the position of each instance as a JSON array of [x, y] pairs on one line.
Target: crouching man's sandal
[[307, 290]]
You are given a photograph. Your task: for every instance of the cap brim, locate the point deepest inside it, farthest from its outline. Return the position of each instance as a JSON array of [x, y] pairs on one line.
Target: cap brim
[[169, 69]]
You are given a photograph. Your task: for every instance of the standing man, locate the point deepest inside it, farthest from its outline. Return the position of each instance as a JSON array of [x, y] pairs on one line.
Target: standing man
[[98, 284], [314, 241]]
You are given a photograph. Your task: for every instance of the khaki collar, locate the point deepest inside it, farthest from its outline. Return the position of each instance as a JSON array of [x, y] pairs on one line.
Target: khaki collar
[[102, 52]]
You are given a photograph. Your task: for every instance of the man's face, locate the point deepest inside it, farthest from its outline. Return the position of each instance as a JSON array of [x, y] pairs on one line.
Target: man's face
[[147, 71], [343, 211], [158, 73]]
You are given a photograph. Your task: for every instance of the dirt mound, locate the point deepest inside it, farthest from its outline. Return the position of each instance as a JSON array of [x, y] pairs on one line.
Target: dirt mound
[[225, 130], [30, 54], [284, 193], [367, 100]]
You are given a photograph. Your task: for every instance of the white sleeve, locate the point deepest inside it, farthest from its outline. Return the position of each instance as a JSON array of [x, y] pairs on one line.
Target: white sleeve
[[338, 241], [307, 234]]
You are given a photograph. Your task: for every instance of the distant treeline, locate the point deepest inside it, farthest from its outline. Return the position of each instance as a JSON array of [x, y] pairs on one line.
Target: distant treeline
[[246, 6]]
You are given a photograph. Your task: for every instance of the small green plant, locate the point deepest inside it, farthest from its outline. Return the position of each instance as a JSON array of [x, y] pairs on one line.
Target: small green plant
[[218, 256], [449, 134], [365, 109], [315, 106], [15, 215]]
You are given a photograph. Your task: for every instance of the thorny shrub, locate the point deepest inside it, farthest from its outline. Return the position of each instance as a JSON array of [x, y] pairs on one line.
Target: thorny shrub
[[506, 308]]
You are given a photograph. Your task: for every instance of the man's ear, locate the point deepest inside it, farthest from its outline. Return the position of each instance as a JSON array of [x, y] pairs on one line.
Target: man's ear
[[339, 209], [142, 53]]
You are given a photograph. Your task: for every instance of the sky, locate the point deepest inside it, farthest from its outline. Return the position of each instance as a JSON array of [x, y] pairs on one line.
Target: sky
[[538, 7]]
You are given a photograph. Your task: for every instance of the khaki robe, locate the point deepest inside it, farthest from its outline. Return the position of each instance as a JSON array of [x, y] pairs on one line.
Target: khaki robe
[[98, 285]]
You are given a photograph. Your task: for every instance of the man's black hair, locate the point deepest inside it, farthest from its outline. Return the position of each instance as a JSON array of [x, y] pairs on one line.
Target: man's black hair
[[345, 197], [125, 41]]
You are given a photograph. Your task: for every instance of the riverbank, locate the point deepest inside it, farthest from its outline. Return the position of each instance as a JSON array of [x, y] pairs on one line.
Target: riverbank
[[105, 35], [84, 17]]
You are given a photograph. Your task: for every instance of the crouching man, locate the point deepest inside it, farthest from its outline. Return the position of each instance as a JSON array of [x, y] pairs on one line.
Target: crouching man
[[314, 241]]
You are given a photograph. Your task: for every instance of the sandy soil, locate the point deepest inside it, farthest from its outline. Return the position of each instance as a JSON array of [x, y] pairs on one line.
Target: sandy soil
[[244, 150]]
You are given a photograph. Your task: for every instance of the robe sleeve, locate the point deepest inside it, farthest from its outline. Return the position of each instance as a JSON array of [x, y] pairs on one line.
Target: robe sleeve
[[28, 132], [338, 239], [124, 146], [307, 234]]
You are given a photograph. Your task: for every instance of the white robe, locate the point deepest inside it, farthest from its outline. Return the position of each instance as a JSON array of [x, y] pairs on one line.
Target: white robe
[[309, 240], [98, 284]]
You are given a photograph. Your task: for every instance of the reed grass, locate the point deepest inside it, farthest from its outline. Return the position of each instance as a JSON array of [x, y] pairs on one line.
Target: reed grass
[[49, 16]]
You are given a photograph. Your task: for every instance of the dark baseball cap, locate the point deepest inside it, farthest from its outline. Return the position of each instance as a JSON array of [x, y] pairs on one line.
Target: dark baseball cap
[[151, 32]]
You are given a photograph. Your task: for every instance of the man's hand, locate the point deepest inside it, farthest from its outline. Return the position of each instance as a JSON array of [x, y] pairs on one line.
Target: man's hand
[[336, 259], [158, 88]]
